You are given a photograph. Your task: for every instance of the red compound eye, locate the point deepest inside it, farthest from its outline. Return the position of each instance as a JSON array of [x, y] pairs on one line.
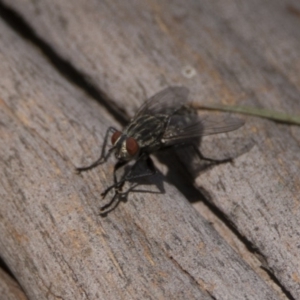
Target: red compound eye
[[132, 146], [115, 137]]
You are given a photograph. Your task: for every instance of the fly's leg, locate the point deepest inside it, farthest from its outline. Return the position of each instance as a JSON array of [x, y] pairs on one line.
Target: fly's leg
[[116, 184], [149, 171], [103, 157], [114, 202], [212, 160], [111, 205], [131, 174]]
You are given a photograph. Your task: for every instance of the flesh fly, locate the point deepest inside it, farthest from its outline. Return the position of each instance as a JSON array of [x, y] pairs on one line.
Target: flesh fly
[[164, 120]]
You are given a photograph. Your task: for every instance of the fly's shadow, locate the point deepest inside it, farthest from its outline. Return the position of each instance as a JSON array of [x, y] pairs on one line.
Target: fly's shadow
[[163, 124], [186, 162]]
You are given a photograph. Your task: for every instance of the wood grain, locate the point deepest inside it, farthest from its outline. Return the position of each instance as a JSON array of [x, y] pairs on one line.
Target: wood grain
[[9, 289], [229, 51]]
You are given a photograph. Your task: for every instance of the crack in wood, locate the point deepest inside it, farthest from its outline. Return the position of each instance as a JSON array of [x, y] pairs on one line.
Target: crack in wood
[[183, 270], [64, 67]]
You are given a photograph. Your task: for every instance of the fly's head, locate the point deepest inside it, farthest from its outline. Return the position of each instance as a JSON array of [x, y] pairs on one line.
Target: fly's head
[[126, 148]]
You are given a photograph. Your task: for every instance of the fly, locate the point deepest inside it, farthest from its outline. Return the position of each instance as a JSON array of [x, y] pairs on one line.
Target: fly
[[164, 120]]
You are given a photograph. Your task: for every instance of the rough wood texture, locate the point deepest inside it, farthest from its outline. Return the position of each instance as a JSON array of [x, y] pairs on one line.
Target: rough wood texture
[[9, 289], [243, 52]]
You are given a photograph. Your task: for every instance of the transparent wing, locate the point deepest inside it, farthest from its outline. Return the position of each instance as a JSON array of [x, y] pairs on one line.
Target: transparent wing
[[183, 128], [166, 101]]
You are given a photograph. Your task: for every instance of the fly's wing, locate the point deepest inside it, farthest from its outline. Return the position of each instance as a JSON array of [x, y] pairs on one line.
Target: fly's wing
[[166, 102], [185, 128]]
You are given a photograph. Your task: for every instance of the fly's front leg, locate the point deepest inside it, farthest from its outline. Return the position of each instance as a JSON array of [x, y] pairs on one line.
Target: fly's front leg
[[103, 157], [150, 169], [113, 203], [116, 184], [132, 173], [115, 199]]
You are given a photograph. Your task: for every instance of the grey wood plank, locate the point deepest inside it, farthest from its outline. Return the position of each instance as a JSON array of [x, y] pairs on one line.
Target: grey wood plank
[[52, 237], [9, 289], [231, 51]]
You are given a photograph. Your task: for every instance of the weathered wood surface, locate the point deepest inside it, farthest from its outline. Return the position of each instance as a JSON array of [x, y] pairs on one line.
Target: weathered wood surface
[[231, 51], [52, 237], [9, 289]]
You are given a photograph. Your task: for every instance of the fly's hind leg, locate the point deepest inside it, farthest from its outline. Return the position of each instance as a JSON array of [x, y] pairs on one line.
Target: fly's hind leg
[[212, 160]]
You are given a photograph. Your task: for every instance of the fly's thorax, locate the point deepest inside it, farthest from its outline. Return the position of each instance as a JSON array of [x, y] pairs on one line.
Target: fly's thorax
[[147, 130], [126, 148]]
